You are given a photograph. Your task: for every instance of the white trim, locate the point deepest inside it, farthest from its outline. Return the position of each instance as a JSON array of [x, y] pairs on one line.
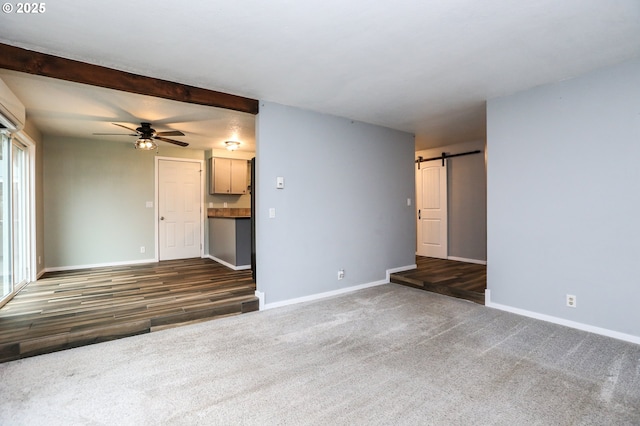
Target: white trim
[[260, 296], [399, 269], [98, 265], [340, 291], [462, 259], [324, 295], [229, 265], [203, 210], [561, 321]]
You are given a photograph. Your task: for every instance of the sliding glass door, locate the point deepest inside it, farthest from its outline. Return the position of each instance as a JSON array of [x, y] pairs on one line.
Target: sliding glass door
[[20, 216], [14, 216], [5, 218]]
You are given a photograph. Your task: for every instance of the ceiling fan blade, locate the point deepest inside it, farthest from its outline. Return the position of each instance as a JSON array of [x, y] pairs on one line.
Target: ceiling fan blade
[[128, 128], [170, 133], [114, 134], [171, 141]]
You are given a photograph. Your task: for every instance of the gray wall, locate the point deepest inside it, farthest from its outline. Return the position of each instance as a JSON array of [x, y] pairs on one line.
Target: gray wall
[[564, 199], [467, 199], [344, 204], [94, 201]]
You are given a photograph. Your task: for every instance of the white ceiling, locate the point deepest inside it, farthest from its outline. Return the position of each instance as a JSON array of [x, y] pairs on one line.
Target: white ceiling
[[425, 67], [63, 108]]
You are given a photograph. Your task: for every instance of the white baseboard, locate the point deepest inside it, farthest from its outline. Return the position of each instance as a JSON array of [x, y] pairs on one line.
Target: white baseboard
[[323, 295], [561, 321], [462, 259], [98, 265], [229, 265], [399, 269], [260, 296], [340, 291]]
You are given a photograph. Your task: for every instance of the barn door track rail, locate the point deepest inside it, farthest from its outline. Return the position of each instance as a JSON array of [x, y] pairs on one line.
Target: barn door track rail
[[444, 156]]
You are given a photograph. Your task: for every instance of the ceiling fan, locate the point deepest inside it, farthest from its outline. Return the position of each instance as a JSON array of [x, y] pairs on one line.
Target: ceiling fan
[[147, 136]]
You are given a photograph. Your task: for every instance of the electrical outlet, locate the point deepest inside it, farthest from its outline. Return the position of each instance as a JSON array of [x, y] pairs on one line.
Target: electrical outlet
[[142, 249], [571, 301], [341, 274]]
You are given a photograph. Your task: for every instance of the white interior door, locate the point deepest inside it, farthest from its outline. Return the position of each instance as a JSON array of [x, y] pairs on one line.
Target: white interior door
[[431, 186], [179, 209]]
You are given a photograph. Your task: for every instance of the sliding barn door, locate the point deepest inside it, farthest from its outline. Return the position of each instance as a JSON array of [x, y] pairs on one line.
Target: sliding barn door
[[431, 186]]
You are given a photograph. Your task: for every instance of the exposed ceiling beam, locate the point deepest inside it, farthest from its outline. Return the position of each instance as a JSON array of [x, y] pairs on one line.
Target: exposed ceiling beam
[[18, 59]]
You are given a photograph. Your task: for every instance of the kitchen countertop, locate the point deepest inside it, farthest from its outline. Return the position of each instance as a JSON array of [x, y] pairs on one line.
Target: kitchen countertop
[[229, 213], [229, 217]]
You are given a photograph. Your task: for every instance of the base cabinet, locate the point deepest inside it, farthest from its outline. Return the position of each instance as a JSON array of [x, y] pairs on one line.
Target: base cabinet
[[230, 240]]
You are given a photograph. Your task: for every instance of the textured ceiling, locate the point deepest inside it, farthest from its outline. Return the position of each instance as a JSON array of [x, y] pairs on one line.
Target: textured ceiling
[[63, 108], [423, 67]]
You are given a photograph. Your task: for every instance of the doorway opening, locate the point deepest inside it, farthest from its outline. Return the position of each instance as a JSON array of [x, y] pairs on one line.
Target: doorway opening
[[451, 222]]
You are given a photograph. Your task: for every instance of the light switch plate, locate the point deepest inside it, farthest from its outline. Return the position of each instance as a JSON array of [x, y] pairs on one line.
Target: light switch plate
[[272, 213], [149, 204], [280, 182]]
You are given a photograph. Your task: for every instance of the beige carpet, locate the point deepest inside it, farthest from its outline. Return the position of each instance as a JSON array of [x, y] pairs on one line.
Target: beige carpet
[[385, 355]]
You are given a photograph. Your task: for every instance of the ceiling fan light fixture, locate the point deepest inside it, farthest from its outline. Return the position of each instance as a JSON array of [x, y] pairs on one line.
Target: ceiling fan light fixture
[[232, 145], [145, 144]]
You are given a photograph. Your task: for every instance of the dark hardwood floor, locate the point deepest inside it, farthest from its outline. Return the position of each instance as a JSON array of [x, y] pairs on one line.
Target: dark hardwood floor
[[449, 277], [74, 308]]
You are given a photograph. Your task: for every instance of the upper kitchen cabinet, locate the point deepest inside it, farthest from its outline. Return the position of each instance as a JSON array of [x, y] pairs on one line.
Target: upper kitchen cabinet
[[228, 176]]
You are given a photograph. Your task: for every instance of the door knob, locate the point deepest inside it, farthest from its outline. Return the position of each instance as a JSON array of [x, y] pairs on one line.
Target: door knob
[[161, 217]]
